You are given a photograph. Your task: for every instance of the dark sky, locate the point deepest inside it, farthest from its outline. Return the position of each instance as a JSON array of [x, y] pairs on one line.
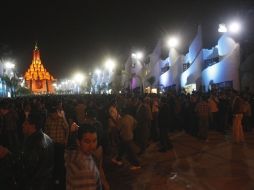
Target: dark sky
[[76, 35]]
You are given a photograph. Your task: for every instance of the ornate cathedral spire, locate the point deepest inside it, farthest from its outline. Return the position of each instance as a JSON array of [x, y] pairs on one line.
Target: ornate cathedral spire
[[36, 55], [37, 76], [36, 46]]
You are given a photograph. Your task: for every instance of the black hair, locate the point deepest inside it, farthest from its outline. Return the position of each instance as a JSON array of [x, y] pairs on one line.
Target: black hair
[[86, 128], [91, 112], [5, 104], [35, 118]]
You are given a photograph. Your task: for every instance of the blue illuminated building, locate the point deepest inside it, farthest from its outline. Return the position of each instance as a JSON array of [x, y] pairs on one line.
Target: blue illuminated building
[[202, 69]]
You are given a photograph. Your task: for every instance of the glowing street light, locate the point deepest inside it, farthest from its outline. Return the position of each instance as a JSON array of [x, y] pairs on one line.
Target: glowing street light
[[138, 55], [222, 28], [78, 77], [173, 42], [9, 65], [235, 27], [110, 64], [98, 72]]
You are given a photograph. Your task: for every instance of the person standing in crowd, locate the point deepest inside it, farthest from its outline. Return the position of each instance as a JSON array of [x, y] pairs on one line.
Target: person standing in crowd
[[143, 117], [154, 125], [213, 104], [237, 111], [164, 118], [91, 119], [202, 110], [33, 166], [8, 126], [96, 153], [224, 112], [127, 125], [82, 172], [80, 111], [113, 128], [247, 114], [57, 129], [61, 112]]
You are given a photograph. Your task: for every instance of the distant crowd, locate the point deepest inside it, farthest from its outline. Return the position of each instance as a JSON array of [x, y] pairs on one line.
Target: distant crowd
[[59, 142]]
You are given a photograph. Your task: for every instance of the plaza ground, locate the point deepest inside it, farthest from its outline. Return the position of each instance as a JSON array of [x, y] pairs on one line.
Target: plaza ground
[[218, 164]]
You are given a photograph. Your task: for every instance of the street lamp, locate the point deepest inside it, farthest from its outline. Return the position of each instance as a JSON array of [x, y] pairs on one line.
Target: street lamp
[[110, 64], [98, 72], [234, 27], [79, 78], [9, 65], [10, 76], [222, 28], [138, 55], [173, 42], [97, 80], [8, 69]]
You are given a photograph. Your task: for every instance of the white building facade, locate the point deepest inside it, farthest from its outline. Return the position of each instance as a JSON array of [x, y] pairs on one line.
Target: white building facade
[[202, 69]]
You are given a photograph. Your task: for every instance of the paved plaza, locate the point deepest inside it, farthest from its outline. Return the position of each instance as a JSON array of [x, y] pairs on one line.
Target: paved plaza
[[217, 164]]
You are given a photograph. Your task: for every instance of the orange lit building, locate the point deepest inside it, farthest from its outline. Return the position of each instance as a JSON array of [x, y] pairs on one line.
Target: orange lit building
[[37, 77]]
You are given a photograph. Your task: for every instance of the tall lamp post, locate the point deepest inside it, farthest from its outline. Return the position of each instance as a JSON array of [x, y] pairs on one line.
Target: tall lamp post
[[78, 78], [110, 65], [231, 31], [172, 43], [138, 56], [97, 82], [10, 76]]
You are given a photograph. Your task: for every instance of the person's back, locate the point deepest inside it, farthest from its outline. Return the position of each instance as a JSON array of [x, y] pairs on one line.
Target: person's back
[[38, 161], [127, 124], [8, 126], [202, 109], [56, 128]]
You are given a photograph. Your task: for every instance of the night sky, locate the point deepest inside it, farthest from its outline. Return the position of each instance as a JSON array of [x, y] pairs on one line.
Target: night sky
[[79, 35]]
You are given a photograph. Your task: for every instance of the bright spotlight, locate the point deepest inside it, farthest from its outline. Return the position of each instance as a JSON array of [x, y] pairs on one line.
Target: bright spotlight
[[222, 28], [134, 55], [9, 65], [235, 27], [110, 64], [173, 42], [78, 77], [98, 72], [138, 55]]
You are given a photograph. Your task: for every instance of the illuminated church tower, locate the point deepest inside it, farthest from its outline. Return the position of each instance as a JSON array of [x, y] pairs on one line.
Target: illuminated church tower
[[37, 78]]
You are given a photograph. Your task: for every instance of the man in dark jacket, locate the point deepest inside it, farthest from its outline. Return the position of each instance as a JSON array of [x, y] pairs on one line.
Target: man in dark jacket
[[34, 164], [165, 120]]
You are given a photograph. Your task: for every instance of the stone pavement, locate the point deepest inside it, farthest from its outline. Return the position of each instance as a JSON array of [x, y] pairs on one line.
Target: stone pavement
[[217, 164]]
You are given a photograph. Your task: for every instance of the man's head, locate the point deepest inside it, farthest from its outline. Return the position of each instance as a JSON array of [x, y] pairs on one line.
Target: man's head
[[87, 139], [32, 123], [4, 106], [91, 113]]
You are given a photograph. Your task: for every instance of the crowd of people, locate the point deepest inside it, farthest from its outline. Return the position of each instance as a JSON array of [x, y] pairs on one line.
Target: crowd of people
[[59, 142]]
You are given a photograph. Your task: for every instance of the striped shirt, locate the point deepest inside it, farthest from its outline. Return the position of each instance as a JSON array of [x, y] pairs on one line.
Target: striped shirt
[[81, 171]]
